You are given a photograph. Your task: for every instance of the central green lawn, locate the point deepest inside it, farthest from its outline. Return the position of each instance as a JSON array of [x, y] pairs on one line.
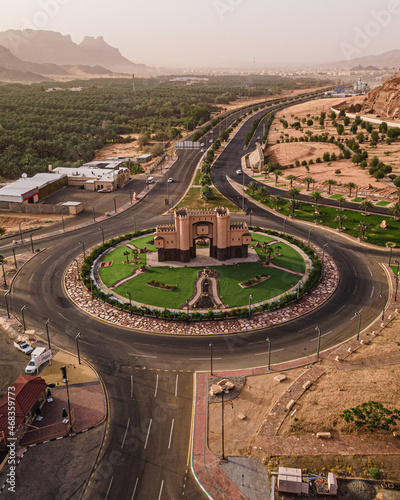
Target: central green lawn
[[290, 258], [383, 203], [109, 275], [336, 196], [193, 200], [143, 242]]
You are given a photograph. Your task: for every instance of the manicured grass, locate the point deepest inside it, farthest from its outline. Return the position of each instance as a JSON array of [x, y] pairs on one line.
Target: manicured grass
[[193, 201], [142, 242], [196, 181], [358, 200], [335, 196], [394, 269], [375, 234], [383, 203], [119, 270], [289, 258]]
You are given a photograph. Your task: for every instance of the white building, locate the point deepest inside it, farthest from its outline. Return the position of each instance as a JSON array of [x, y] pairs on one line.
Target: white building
[[32, 189]]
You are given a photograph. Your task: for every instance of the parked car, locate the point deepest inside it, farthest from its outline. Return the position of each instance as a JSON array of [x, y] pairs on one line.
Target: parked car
[[170, 179], [23, 347], [239, 171], [104, 190]]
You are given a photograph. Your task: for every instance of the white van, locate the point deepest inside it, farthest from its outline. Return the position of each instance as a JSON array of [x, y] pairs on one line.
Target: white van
[[149, 180], [39, 356]]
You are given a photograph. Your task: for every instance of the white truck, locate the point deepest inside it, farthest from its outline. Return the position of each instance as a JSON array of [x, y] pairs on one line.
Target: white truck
[[23, 347], [39, 357]]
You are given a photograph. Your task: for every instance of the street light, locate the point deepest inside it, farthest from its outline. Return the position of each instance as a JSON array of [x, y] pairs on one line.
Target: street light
[[284, 224], [397, 287], [250, 297], [384, 304], [319, 340], [243, 192], [359, 325], [84, 250], [4, 273], [47, 331], [77, 346], [211, 360], [397, 262], [130, 302], [269, 353], [65, 380], [8, 308], [102, 233], [23, 317], [115, 204], [15, 259], [30, 236], [94, 213], [309, 235]]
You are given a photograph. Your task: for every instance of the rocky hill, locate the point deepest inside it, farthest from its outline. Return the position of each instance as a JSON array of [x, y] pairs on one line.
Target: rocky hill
[[384, 101], [43, 46], [390, 59]]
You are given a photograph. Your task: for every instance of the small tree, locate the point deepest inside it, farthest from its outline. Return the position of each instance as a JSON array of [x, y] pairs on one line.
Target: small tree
[[363, 229], [340, 218], [316, 196], [253, 187], [205, 180], [366, 205], [395, 210], [263, 193], [294, 205], [330, 183], [291, 178], [207, 193], [277, 173], [351, 186], [126, 255], [308, 181], [294, 192], [372, 416]]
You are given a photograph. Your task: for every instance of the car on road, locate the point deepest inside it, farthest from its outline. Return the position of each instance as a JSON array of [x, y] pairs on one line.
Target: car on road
[[149, 180], [104, 190], [170, 179], [239, 171], [23, 347]]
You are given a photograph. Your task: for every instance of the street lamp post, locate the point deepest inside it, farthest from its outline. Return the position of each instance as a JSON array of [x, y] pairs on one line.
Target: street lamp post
[[77, 346], [243, 191], [7, 306], [284, 224], [47, 331], [250, 297], [269, 353], [65, 380], [223, 459], [94, 213], [309, 236], [397, 287], [102, 233], [30, 236], [211, 358], [4, 274], [62, 222], [319, 340], [84, 249], [130, 302], [23, 317], [15, 259], [397, 262], [384, 304], [359, 325], [115, 204]]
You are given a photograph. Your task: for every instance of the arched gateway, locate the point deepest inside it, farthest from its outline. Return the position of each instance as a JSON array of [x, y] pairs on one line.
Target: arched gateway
[[177, 242]]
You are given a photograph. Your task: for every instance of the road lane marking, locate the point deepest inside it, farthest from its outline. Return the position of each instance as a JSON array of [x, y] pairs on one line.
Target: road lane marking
[[339, 310], [372, 293], [148, 433], [266, 352], [370, 272], [162, 484], [176, 386], [43, 263], [109, 488], [355, 289], [126, 432], [31, 278], [354, 269], [201, 359], [170, 434], [141, 355], [131, 386], [316, 338], [66, 319], [155, 392], [87, 343], [134, 489]]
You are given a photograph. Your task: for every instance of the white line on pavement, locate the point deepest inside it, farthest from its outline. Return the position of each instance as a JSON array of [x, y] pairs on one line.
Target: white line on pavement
[[339, 310], [31, 278], [134, 489], [372, 293], [109, 488], [155, 392], [131, 386], [170, 434], [355, 289], [126, 432], [316, 338], [43, 263], [266, 352], [162, 484], [370, 272], [141, 355], [148, 433], [87, 343], [201, 359], [176, 386], [354, 269], [66, 319]]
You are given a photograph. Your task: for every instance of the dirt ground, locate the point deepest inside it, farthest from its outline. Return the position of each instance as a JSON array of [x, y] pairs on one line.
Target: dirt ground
[[11, 222], [287, 153], [360, 378]]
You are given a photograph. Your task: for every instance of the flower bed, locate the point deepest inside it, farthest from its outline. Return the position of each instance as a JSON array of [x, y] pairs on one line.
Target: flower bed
[[255, 281], [160, 285]]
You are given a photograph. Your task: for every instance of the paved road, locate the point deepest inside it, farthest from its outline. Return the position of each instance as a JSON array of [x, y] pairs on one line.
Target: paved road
[[144, 449]]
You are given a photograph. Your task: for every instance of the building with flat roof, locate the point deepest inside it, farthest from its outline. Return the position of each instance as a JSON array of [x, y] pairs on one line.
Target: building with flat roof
[[96, 175], [33, 189]]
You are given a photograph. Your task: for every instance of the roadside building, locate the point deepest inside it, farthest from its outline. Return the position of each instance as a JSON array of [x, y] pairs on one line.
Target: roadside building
[[96, 175], [32, 189], [143, 158]]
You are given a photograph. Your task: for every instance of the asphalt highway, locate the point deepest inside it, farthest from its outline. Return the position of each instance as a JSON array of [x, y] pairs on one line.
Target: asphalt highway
[[149, 378]]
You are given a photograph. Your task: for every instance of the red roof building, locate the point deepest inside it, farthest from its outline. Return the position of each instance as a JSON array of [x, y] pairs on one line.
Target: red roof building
[[28, 395]]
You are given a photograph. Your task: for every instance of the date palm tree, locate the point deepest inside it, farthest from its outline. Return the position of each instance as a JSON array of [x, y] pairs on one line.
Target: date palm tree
[[366, 205], [294, 192], [363, 229], [291, 178], [316, 196], [294, 205], [351, 186], [277, 200], [277, 173], [253, 187], [330, 183], [308, 181], [395, 210], [340, 218], [341, 202]]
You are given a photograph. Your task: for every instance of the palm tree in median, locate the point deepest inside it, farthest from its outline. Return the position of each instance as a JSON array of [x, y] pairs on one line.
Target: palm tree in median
[[276, 200], [366, 205], [395, 210], [351, 186], [294, 205], [330, 183], [363, 229], [309, 180], [263, 193], [341, 202], [340, 218], [277, 173], [294, 192], [291, 178], [253, 187], [316, 196]]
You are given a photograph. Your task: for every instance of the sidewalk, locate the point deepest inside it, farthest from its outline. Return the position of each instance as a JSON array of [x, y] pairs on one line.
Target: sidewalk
[[224, 481]]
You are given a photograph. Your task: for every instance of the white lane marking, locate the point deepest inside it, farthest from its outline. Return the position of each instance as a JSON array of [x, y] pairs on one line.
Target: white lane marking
[[134, 489], [355, 289], [176, 386], [339, 310], [66, 319], [148, 433], [131, 386], [155, 392], [266, 352], [162, 484], [355, 315], [141, 355], [316, 338], [354, 269], [370, 272], [170, 434], [202, 359], [109, 488], [372, 293], [88, 343], [43, 263], [31, 278], [126, 432]]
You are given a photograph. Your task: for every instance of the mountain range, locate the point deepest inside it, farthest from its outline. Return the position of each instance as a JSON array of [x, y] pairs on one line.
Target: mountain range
[[390, 59], [32, 56]]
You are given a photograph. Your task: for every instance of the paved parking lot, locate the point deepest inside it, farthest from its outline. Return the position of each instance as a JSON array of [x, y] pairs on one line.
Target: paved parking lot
[[12, 362]]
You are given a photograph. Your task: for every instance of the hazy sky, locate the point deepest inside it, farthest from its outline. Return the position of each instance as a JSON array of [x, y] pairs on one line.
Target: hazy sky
[[219, 33]]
